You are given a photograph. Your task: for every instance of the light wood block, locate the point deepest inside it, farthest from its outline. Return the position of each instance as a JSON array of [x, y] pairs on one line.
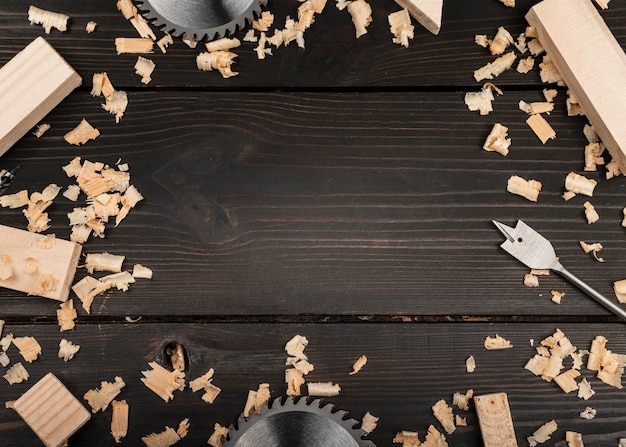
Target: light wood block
[[32, 83], [426, 12], [18, 246], [494, 417], [591, 62], [51, 411]]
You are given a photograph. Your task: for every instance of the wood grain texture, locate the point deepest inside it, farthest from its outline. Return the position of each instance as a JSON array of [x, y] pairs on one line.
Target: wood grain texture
[[409, 368]]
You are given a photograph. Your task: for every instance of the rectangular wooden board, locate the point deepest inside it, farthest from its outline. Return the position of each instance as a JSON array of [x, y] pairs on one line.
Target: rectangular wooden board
[[60, 261], [494, 417], [32, 83], [591, 62], [51, 411]]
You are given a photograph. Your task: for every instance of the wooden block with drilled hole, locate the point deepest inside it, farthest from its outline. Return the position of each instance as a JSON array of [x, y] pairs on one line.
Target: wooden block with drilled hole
[[32, 83], [591, 62], [51, 411], [426, 12], [494, 417], [34, 269]]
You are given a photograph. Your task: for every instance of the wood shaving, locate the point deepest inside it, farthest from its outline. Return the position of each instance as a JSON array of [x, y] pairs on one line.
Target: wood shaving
[[470, 364], [261, 51], [574, 439], [66, 315], [104, 262], [358, 365], [47, 19], [557, 296], [461, 401], [529, 189], [119, 420], [482, 40], [163, 382], [67, 350], [6, 341], [536, 107], [444, 415], [217, 60], [82, 133], [482, 99], [496, 343], [525, 65], [17, 200], [87, 288], [294, 379], [541, 128], [223, 44], [593, 158], [295, 349], [142, 27], [584, 390], [250, 36], [548, 72], [543, 433], [609, 366], [619, 287], [323, 389], [411, 439], [205, 382], [401, 28], [579, 184], [121, 281], [590, 213], [116, 104], [127, 8], [550, 94], [573, 107], [264, 22], [134, 45], [101, 86], [218, 436], [495, 68], [567, 380], [4, 359], [520, 44], [407, 439], [72, 192], [29, 348], [16, 374], [361, 13], [256, 399], [594, 249], [41, 129], [509, 3], [500, 42], [369, 423], [531, 280], [100, 398], [168, 437], [497, 140], [588, 413], [535, 47], [164, 42], [144, 68], [141, 272], [90, 27]]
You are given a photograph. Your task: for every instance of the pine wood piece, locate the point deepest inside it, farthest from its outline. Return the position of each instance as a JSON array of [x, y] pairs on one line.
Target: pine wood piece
[[591, 62], [57, 264], [426, 12], [32, 83], [494, 417], [51, 411]]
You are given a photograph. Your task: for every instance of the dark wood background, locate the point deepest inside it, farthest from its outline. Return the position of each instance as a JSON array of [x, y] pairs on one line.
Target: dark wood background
[[339, 192]]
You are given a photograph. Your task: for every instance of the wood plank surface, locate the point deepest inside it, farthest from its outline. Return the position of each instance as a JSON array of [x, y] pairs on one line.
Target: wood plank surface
[[409, 368]]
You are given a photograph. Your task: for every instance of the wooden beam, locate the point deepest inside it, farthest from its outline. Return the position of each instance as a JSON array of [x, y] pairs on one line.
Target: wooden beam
[[591, 62], [32, 83], [51, 411], [426, 12], [28, 262]]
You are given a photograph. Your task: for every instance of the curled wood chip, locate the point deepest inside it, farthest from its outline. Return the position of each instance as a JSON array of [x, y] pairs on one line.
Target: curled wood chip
[[579, 184], [609, 365], [361, 13], [217, 60], [529, 189], [557, 296], [134, 45], [66, 315], [500, 42], [470, 364], [256, 399], [101, 86], [67, 350], [224, 44], [536, 107], [531, 280], [205, 382], [119, 420], [543, 433], [264, 22], [144, 68], [47, 19], [461, 400], [163, 382], [567, 380], [573, 107], [142, 27], [590, 213], [294, 380], [116, 104], [87, 288], [359, 364], [525, 65], [295, 349], [495, 68], [594, 249], [139, 271], [323, 389], [369, 423], [541, 128], [104, 262], [548, 72], [164, 42], [482, 99], [401, 28], [4, 359], [497, 140], [90, 27], [218, 436], [82, 133], [444, 415], [497, 342], [121, 281], [29, 348], [17, 200], [261, 51], [574, 439], [127, 8], [534, 46], [584, 390], [16, 374], [100, 398], [6, 341], [250, 36], [593, 158], [72, 192], [482, 40], [41, 129], [588, 413], [619, 287], [168, 437], [550, 94]]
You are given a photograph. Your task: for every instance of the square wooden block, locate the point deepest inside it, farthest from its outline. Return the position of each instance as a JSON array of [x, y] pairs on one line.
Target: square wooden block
[[51, 411]]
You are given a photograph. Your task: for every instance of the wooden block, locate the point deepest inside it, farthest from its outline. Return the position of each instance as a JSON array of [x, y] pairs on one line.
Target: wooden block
[[51, 411], [494, 417], [591, 62], [33, 83], [55, 266], [426, 12]]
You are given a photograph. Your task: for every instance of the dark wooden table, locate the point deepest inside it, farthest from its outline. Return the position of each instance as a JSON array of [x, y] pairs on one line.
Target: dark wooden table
[[338, 192]]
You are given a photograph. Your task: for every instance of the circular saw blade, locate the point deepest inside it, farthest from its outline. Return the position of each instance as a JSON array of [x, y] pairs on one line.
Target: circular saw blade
[[200, 19], [297, 423]]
